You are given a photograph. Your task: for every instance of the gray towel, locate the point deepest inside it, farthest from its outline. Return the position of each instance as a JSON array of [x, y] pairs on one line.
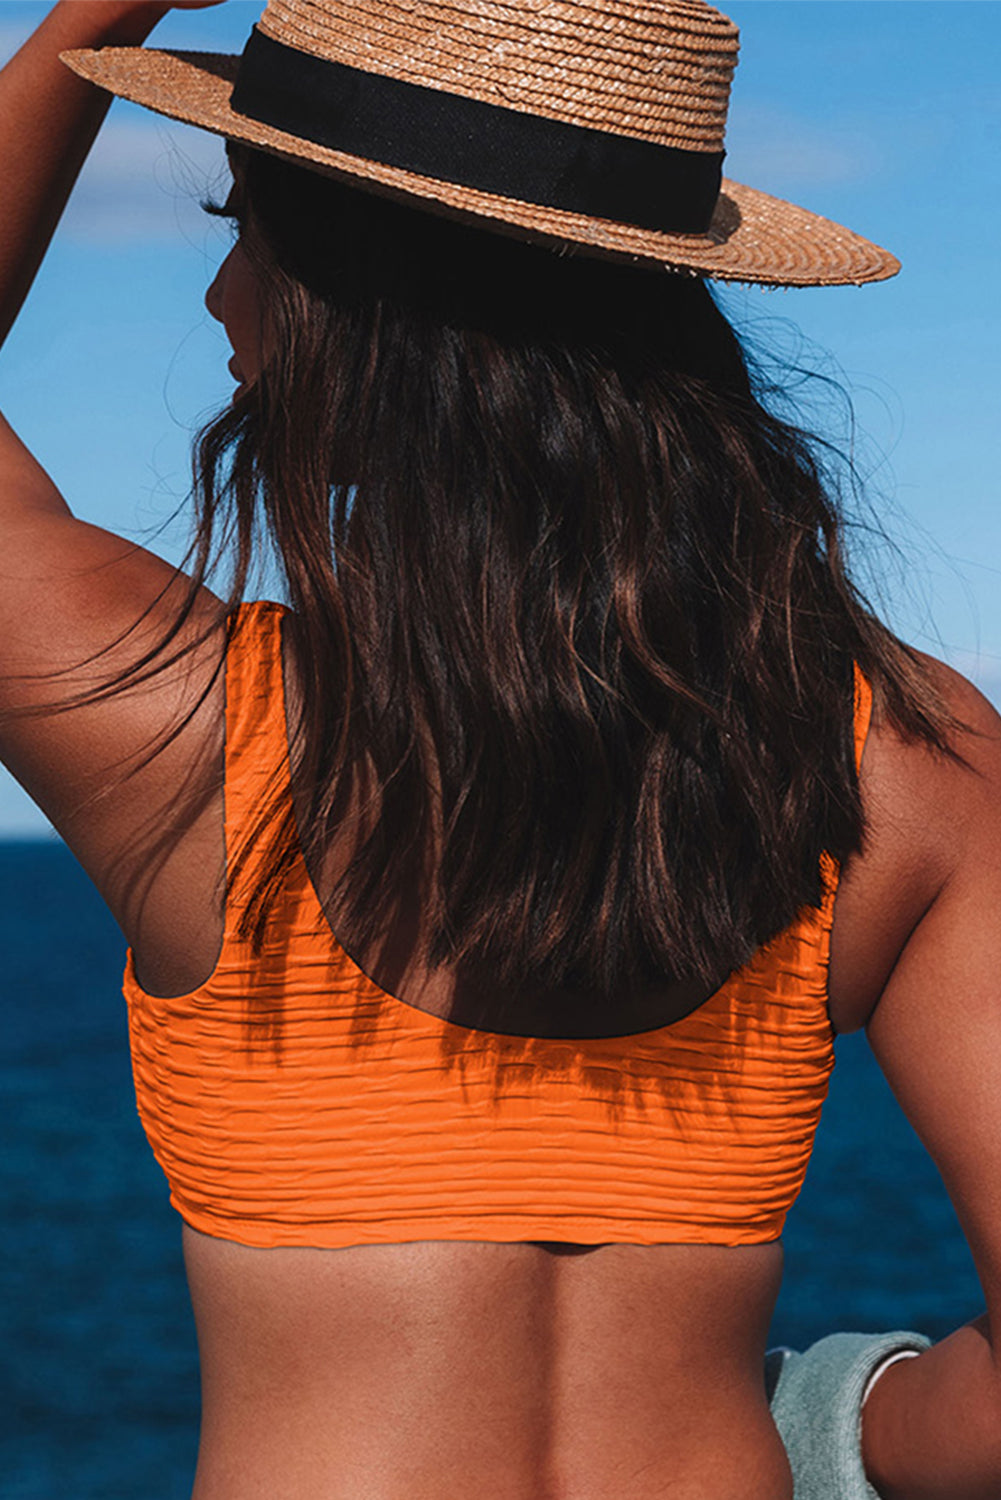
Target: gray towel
[[816, 1401]]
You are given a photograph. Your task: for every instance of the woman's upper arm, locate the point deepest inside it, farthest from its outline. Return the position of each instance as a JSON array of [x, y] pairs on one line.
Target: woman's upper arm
[[936, 1029], [78, 606]]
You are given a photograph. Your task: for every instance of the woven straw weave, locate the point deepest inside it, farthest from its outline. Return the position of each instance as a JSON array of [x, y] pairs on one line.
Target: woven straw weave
[[659, 73]]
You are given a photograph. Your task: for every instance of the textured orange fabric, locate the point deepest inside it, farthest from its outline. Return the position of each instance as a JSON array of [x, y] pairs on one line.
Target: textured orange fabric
[[368, 1121]]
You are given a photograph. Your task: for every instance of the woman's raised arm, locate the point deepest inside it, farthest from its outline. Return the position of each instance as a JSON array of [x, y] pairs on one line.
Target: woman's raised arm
[[48, 121], [70, 591]]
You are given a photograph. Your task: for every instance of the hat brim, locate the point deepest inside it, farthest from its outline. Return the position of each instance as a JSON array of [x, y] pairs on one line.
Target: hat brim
[[753, 237]]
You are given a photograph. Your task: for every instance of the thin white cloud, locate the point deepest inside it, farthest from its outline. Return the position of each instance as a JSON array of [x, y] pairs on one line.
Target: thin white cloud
[[143, 182], [777, 151]]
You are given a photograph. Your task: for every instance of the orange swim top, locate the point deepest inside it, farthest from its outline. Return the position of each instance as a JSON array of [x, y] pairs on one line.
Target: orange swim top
[[376, 1122]]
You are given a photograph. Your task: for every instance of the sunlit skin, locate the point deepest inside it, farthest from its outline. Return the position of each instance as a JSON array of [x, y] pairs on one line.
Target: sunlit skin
[[437, 1370]]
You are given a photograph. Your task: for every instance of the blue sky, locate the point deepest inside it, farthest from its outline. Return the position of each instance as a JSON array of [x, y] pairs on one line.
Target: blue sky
[[883, 114]]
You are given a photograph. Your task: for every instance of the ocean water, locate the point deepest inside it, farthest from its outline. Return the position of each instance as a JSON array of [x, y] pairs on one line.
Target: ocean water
[[98, 1375]]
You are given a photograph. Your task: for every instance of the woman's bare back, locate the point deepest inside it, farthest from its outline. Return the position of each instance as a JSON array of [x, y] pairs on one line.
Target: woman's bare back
[[538, 1372], [436, 1370]]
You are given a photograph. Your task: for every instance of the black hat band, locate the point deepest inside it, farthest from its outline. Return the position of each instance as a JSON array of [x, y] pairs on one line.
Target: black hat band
[[464, 141]]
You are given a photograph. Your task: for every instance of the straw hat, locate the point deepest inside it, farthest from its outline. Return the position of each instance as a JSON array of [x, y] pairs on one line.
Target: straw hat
[[594, 126]]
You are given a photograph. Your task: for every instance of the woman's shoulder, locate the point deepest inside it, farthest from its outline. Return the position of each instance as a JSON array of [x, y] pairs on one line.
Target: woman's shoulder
[[961, 697], [932, 818], [899, 769], [957, 779]]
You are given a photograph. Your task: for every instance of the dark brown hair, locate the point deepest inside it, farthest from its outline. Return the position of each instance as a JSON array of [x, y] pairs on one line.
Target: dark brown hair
[[547, 547]]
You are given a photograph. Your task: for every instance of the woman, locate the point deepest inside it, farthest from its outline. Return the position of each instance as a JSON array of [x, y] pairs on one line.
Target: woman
[[486, 1191]]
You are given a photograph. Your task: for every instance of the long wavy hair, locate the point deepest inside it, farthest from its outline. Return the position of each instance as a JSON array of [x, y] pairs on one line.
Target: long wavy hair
[[559, 578]]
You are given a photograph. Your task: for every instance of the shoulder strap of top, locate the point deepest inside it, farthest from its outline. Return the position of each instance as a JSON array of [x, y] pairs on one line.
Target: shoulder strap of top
[[829, 867], [256, 737], [863, 713]]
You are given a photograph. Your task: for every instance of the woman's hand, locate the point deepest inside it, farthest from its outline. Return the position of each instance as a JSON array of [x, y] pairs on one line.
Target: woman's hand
[[156, 8], [133, 20], [152, 8]]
